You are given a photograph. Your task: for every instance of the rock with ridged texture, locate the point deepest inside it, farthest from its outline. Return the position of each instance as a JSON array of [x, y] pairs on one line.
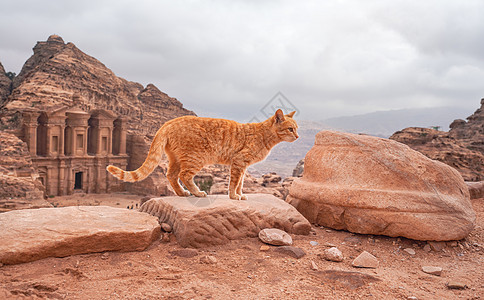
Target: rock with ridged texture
[[370, 185], [33, 234], [216, 219]]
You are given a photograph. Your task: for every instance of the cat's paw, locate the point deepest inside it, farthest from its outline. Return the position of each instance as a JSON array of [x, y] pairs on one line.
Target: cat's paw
[[184, 194], [234, 197], [201, 194], [243, 197]]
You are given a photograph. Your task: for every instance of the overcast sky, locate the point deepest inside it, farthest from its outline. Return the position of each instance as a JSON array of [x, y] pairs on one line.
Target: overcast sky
[[229, 58]]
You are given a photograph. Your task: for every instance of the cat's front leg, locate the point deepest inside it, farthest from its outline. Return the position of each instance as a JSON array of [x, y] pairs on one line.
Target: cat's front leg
[[236, 172], [240, 185]]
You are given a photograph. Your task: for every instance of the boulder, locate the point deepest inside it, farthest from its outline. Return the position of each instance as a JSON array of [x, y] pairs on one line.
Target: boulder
[[33, 234], [377, 186], [216, 219]]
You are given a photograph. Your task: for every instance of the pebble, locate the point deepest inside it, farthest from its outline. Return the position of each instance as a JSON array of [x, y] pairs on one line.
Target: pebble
[[436, 246], [208, 259], [274, 236], [313, 243], [409, 251], [437, 271], [314, 266], [427, 248], [333, 254], [166, 227], [365, 260], [291, 251], [412, 298], [456, 285], [264, 248]]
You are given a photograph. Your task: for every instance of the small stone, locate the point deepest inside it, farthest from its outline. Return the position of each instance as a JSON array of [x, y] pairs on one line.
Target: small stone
[[166, 227], [353, 240], [291, 251], [333, 254], [208, 259], [274, 236], [365, 260], [437, 271], [409, 251], [427, 248], [314, 266], [264, 248], [187, 253], [456, 285], [452, 244], [412, 298], [436, 246], [329, 245], [165, 237], [313, 243]]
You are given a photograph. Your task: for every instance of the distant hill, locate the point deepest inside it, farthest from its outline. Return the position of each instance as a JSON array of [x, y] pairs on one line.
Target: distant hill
[[385, 123], [285, 156]]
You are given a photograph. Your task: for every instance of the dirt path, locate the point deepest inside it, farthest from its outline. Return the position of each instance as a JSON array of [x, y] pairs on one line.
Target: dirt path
[[242, 271]]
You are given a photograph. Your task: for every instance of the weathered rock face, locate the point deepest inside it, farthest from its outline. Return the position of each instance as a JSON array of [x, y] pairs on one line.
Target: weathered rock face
[[461, 148], [215, 220], [33, 234], [18, 179], [377, 186], [61, 74], [5, 85]]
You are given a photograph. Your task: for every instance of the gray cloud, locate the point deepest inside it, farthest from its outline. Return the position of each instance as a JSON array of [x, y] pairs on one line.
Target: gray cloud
[[227, 58]]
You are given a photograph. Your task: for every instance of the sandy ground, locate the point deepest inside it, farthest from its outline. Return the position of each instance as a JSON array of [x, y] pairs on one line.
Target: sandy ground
[[240, 270]]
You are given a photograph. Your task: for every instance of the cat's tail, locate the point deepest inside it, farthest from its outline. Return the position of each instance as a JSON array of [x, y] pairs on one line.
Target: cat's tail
[[150, 163]]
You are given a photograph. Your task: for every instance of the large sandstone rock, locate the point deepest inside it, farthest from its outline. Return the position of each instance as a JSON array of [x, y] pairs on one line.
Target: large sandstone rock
[[5, 85], [215, 220], [371, 185], [33, 234]]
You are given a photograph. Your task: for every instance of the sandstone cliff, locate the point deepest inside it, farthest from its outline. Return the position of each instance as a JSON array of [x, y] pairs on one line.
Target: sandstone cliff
[[462, 147], [61, 74], [5, 85]]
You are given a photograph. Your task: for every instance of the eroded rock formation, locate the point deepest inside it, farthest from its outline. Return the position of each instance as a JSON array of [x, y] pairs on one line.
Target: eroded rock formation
[[5, 85], [461, 148], [370, 185]]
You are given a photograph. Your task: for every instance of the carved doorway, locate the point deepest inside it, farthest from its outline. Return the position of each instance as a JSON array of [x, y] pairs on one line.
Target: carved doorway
[[78, 181]]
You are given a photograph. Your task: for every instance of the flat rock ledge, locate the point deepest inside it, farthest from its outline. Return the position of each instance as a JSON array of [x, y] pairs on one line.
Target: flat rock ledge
[[33, 234], [216, 219]]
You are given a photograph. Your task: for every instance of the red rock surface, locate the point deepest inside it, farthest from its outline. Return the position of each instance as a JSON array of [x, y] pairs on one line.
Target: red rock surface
[[378, 186], [33, 234], [18, 179], [5, 85], [216, 219], [461, 148]]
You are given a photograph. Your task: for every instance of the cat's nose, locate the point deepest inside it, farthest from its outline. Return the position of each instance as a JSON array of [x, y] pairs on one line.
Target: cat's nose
[[296, 135]]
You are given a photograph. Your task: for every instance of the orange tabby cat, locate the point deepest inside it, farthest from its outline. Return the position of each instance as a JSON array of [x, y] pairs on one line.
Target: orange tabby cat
[[193, 142]]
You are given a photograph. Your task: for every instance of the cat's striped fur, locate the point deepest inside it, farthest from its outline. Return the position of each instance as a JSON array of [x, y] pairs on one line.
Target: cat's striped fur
[[193, 142]]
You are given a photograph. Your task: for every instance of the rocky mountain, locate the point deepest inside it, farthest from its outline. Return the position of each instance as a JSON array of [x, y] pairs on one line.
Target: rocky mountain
[[385, 123], [58, 73], [5, 85], [462, 147]]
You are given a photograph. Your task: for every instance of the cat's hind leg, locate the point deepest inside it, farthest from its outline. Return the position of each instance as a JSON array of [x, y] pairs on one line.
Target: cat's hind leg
[[188, 171], [172, 175]]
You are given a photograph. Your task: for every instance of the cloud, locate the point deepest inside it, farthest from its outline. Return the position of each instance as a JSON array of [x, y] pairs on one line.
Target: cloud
[[227, 58]]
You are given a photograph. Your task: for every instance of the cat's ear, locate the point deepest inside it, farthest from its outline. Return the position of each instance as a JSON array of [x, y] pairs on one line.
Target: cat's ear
[[279, 116], [291, 114]]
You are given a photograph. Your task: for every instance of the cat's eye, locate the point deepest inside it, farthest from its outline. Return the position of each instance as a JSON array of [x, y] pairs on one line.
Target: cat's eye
[[291, 129]]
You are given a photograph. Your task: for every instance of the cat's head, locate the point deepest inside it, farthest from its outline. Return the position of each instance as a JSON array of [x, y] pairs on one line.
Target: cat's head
[[284, 126]]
